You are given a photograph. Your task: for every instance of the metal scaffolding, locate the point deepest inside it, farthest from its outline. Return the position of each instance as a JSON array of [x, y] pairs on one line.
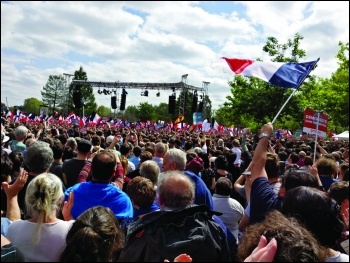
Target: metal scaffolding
[[182, 86]]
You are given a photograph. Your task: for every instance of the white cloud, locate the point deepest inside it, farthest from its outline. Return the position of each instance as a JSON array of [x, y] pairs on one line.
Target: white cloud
[[136, 41]]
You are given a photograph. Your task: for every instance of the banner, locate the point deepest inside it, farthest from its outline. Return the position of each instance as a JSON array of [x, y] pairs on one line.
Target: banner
[[311, 118], [197, 118]]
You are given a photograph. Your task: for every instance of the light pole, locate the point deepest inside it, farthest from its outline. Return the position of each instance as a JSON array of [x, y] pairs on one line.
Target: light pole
[[67, 78]]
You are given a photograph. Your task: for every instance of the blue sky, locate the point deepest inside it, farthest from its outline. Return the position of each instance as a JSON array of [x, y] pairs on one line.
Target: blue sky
[[145, 41]]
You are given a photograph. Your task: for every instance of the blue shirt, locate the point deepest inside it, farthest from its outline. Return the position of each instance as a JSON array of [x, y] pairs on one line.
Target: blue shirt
[[202, 193], [262, 199], [91, 194]]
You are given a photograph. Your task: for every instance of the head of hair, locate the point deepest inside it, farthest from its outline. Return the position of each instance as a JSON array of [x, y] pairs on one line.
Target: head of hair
[[141, 191], [221, 162], [145, 156], [308, 160], [294, 242], [326, 166], [62, 138], [339, 191], [21, 132], [223, 186], [272, 165], [175, 189], [346, 175], [71, 142], [17, 159], [103, 166], [44, 196], [160, 148], [178, 156], [205, 158], [57, 149], [38, 157], [294, 157], [150, 169], [319, 213], [282, 155], [295, 177], [68, 153], [95, 236], [137, 151], [48, 140], [6, 166], [236, 143], [95, 140]]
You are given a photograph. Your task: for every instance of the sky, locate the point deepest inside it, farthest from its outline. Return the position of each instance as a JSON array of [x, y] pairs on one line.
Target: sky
[[146, 41]]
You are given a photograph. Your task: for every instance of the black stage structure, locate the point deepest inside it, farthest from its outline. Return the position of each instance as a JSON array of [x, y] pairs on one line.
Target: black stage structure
[[182, 86]]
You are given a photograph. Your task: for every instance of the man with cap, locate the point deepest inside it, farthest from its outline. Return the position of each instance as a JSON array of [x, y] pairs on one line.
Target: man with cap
[[72, 167]]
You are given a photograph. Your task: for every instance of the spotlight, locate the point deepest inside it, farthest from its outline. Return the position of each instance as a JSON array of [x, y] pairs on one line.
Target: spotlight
[[99, 91], [158, 94], [124, 92], [145, 93], [104, 91]]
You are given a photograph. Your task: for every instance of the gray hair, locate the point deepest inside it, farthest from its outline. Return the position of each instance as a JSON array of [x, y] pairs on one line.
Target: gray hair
[[179, 157], [38, 157], [160, 147], [71, 142], [21, 132], [150, 169], [175, 189], [197, 150], [44, 195]]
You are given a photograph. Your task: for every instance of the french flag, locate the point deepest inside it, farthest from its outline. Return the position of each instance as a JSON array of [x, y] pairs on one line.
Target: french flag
[[281, 74]]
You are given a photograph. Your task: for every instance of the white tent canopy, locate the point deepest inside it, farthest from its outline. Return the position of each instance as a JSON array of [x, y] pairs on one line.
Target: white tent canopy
[[342, 136]]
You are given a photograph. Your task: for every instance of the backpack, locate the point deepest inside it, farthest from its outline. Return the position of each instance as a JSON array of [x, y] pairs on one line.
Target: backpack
[[166, 234]]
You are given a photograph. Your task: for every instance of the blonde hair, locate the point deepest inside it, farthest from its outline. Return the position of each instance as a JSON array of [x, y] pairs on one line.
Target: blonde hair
[[44, 195]]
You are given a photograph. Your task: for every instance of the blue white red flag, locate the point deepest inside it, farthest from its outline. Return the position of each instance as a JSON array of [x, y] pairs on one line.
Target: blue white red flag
[[282, 74]]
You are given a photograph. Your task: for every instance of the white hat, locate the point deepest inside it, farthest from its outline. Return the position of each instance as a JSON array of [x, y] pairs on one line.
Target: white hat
[[109, 139], [4, 138]]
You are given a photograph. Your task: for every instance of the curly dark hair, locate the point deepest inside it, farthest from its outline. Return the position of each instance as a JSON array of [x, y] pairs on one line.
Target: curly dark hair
[[294, 242]]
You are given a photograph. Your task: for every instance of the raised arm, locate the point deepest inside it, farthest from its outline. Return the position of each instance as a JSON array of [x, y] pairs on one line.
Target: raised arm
[[260, 154]]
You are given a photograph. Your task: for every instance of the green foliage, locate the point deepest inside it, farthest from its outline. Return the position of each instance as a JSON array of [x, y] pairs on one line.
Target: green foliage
[[32, 105], [89, 102], [254, 102], [131, 113], [54, 93], [103, 111], [146, 112]]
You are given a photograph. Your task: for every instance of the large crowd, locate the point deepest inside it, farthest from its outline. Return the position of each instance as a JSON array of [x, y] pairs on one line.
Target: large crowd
[[131, 194]]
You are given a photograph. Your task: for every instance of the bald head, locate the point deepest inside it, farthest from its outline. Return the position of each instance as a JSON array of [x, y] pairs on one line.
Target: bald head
[[175, 190]]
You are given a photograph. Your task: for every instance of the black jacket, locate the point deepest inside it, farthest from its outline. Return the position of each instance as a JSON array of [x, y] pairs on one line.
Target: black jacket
[[166, 234]]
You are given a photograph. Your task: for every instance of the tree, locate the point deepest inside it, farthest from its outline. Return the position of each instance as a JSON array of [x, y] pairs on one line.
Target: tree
[[132, 113], [146, 112], [254, 101], [54, 93], [88, 96], [103, 111], [161, 112], [32, 105], [331, 96]]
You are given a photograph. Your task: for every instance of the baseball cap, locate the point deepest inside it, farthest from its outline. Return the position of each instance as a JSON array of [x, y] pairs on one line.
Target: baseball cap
[[84, 146]]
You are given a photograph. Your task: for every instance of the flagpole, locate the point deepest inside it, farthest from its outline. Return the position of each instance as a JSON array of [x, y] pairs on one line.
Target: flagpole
[[311, 68], [291, 95]]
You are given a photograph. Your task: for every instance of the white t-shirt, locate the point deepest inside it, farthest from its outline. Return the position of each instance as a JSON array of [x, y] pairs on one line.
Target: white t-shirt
[[50, 245]]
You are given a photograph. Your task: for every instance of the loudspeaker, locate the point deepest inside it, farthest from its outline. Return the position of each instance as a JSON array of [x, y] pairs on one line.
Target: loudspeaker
[[114, 102], [172, 104], [122, 101], [77, 99], [194, 103], [200, 106]]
